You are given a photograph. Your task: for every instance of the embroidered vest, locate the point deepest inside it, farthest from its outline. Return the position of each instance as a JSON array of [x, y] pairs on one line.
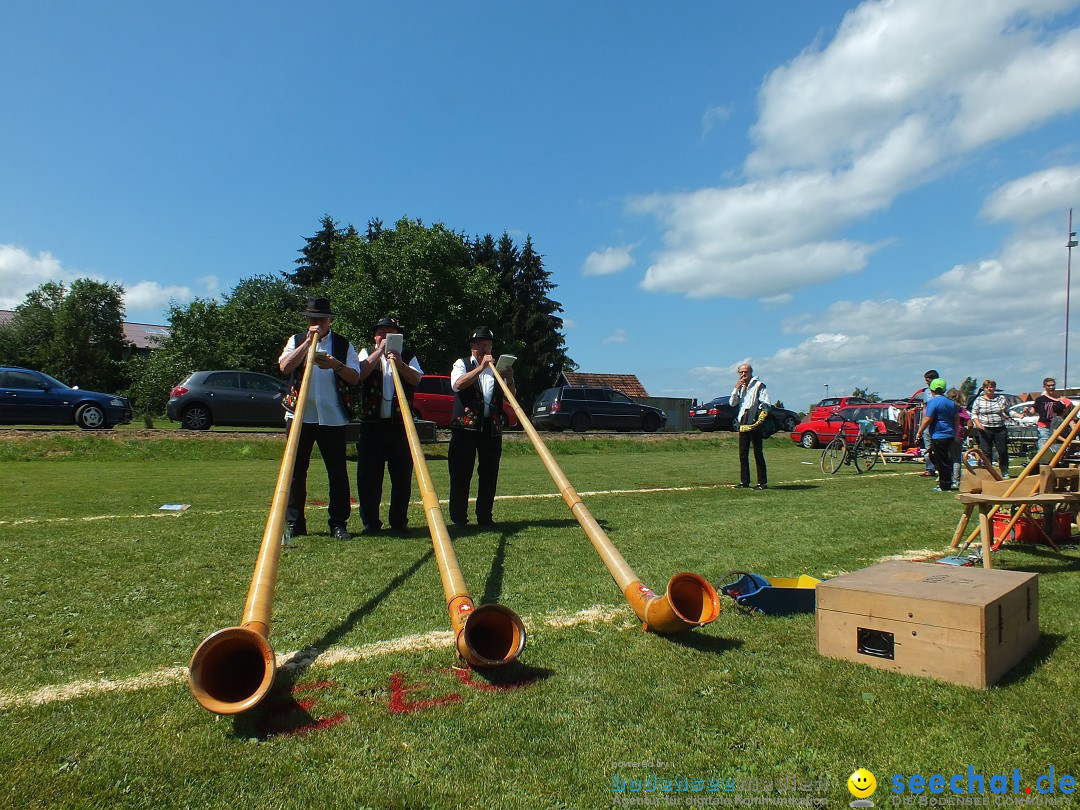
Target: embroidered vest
[[469, 405], [339, 349], [371, 392]]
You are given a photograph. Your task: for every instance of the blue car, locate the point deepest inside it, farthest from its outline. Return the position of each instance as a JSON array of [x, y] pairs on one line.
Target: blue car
[[33, 398]]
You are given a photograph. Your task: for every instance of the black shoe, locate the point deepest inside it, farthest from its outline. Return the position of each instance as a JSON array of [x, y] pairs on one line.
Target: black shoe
[[486, 522], [460, 525], [742, 486], [371, 528], [762, 486], [340, 533]]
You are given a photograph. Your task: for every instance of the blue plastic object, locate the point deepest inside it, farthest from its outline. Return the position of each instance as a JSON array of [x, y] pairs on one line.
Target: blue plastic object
[[774, 596]]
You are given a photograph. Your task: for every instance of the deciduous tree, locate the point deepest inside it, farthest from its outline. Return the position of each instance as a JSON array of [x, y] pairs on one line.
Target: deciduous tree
[[74, 333]]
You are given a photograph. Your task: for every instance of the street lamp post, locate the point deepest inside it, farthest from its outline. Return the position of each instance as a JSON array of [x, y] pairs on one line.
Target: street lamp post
[[1070, 243], [826, 390]]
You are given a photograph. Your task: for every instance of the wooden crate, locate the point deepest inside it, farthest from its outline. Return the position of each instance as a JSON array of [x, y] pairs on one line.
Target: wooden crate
[[965, 625]]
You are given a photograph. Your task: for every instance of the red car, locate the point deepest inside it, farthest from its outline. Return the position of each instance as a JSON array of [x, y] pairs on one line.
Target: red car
[[833, 404], [817, 432], [434, 401]]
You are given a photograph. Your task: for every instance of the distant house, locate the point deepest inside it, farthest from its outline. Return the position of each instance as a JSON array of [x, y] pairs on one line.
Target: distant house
[[142, 336], [629, 384], [145, 336]]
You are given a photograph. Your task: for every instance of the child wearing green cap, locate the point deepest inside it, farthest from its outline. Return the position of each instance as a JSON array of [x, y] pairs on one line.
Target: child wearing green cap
[[941, 417]]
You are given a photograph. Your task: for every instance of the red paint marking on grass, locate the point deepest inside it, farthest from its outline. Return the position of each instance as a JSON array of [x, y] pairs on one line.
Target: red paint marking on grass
[[308, 687], [399, 693], [465, 675], [285, 716]]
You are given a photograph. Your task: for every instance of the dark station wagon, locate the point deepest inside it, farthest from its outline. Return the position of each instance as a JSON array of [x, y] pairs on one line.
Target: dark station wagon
[[582, 408]]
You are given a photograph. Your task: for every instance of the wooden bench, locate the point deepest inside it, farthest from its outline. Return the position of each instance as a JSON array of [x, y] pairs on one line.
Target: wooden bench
[[1049, 501]]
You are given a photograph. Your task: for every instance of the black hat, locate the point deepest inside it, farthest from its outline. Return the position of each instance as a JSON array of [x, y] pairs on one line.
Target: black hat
[[481, 333], [387, 320], [318, 308]]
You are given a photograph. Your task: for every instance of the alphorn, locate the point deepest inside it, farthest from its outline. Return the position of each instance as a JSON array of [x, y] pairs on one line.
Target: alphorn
[[233, 669], [690, 600], [485, 636]]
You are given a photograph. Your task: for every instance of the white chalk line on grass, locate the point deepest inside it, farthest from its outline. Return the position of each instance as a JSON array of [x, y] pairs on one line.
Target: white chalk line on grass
[[529, 496], [303, 658], [299, 659]]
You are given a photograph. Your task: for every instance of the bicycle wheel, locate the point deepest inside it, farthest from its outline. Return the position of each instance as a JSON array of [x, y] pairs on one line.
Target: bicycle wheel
[[832, 457], [866, 452]]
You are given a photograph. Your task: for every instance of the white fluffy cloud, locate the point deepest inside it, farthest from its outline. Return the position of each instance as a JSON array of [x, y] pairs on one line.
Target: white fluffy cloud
[[607, 261], [1035, 196], [982, 318], [901, 92], [617, 336], [21, 272], [149, 296]]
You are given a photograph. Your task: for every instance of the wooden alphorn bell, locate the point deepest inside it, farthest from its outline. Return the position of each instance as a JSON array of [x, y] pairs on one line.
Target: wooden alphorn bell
[[233, 669], [690, 600], [485, 636]]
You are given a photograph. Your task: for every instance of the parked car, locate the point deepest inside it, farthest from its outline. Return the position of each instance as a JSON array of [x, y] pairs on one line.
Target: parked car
[[434, 401], [30, 397], [1022, 414], [718, 414], [832, 404], [583, 408], [817, 432], [228, 397]]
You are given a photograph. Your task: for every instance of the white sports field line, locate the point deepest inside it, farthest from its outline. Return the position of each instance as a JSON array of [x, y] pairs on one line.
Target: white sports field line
[[531, 496], [302, 659], [314, 657]]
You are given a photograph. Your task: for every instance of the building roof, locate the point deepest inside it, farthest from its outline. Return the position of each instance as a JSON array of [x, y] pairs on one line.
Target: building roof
[[627, 383], [140, 335], [145, 335]]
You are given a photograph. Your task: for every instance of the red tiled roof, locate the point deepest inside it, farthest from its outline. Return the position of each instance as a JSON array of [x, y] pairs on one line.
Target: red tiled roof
[[627, 383]]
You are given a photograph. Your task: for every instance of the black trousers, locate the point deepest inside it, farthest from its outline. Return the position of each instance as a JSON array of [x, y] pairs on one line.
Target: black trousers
[[996, 439], [746, 439], [466, 446], [383, 446], [941, 454], [331, 441]]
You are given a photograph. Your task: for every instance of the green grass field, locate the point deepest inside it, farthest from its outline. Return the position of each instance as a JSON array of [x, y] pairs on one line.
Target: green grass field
[[103, 598]]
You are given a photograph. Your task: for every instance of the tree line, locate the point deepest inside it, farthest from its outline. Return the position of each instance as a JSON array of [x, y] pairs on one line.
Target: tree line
[[439, 284]]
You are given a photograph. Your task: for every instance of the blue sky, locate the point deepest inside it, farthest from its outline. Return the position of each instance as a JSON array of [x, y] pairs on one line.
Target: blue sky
[[843, 194]]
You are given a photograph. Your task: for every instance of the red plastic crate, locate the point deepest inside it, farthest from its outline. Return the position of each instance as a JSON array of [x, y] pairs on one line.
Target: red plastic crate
[[1025, 532]]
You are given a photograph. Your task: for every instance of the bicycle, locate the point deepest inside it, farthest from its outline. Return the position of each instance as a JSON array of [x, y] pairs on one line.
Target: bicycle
[[863, 451]]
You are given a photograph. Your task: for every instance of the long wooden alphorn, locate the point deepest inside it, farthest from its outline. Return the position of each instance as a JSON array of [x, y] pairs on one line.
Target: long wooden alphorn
[[485, 636], [690, 600], [233, 669]]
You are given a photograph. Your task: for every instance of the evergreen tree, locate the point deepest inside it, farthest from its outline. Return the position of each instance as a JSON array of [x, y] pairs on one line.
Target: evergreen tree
[[318, 262], [529, 326]]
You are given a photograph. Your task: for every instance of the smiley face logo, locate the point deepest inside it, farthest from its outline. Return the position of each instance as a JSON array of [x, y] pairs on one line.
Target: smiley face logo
[[862, 783]]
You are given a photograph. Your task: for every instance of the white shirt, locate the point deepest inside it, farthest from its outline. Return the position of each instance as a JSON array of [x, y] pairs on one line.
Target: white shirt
[[487, 382], [755, 393], [323, 406], [388, 393]]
